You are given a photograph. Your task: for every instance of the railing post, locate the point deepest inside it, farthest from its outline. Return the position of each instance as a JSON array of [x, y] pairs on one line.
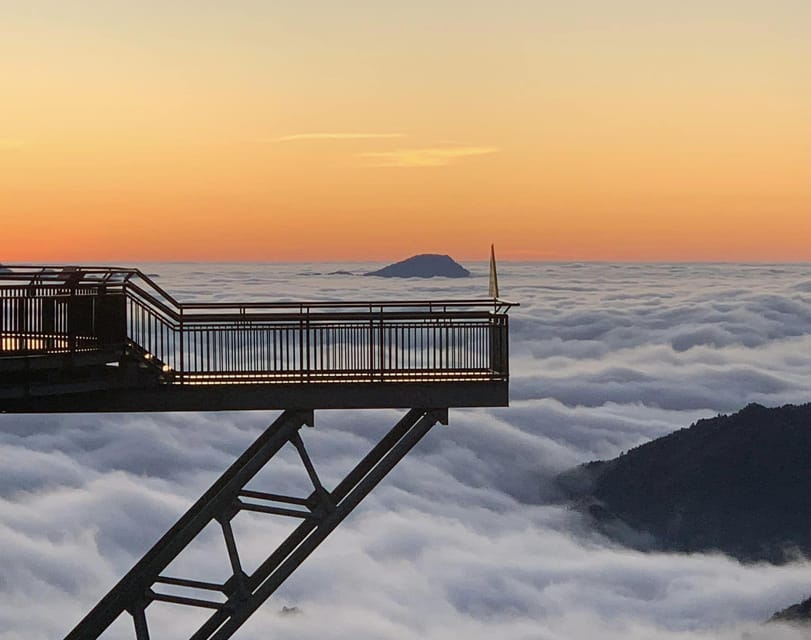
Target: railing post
[[22, 319], [499, 347], [494, 340], [371, 345], [71, 322], [505, 352], [307, 331], [382, 339], [182, 346], [301, 345], [441, 347]]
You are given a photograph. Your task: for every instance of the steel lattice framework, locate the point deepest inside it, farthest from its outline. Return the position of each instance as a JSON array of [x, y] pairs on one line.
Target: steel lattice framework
[[320, 513]]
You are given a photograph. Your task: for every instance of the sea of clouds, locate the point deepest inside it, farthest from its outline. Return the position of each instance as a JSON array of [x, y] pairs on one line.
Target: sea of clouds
[[466, 538]]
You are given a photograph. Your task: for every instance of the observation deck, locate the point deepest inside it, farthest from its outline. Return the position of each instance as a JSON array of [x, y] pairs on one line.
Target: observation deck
[[101, 339], [105, 339]]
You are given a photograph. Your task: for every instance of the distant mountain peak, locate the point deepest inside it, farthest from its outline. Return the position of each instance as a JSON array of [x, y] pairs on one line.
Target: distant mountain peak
[[424, 265]]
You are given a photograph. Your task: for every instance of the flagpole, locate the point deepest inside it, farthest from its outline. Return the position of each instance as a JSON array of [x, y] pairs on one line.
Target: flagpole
[[493, 288]]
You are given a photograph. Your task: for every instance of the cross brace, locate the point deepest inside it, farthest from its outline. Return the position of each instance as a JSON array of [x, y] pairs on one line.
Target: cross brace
[[242, 594]]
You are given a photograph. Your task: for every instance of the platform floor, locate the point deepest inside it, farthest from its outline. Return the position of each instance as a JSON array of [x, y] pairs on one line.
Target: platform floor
[[234, 397]]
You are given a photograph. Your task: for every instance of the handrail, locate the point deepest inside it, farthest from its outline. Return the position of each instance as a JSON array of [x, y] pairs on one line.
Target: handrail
[[71, 309], [50, 273], [40, 274]]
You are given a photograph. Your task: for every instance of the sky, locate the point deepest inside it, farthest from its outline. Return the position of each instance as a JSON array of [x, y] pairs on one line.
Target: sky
[[363, 130], [468, 536]]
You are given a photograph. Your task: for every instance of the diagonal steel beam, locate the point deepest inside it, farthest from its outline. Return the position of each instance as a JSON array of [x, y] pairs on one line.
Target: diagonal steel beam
[[307, 536], [246, 593], [369, 481], [133, 586]]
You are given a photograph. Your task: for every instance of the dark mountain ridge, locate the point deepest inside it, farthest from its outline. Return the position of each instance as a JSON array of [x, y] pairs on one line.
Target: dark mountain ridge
[[738, 484], [799, 613]]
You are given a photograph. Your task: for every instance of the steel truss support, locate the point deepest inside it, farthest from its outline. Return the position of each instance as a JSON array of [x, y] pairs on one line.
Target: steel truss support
[[242, 594]]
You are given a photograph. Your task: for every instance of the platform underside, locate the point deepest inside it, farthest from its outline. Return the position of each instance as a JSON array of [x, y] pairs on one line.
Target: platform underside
[[235, 397]]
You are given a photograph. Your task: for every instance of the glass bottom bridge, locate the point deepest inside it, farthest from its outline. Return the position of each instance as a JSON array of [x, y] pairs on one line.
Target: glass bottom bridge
[[103, 339]]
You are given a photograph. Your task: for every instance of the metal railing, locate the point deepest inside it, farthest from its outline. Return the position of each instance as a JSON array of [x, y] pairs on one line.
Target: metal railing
[[68, 309]]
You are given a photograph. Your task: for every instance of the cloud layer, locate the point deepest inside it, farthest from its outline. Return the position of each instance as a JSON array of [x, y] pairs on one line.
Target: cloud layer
[[465, 538]]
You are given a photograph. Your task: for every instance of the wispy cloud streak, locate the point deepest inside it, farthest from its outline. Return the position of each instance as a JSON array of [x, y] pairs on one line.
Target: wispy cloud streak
[[423, 157], [338, 136]]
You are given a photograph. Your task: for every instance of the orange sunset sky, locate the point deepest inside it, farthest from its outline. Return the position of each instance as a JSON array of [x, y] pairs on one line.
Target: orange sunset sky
[[372, 130]]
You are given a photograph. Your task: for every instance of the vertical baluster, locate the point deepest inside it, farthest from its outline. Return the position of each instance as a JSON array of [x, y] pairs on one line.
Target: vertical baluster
[[453, 345], [242, 337], [274, 348], [325, 347], [277, 348], [182, 345], [207, 334], [286, 348], [341, 363], [3, 340], [254, 349], [320, 366], [218, 338], [229, 350]]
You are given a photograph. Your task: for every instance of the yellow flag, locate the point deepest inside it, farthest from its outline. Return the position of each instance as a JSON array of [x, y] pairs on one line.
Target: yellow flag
[[493, 274]]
